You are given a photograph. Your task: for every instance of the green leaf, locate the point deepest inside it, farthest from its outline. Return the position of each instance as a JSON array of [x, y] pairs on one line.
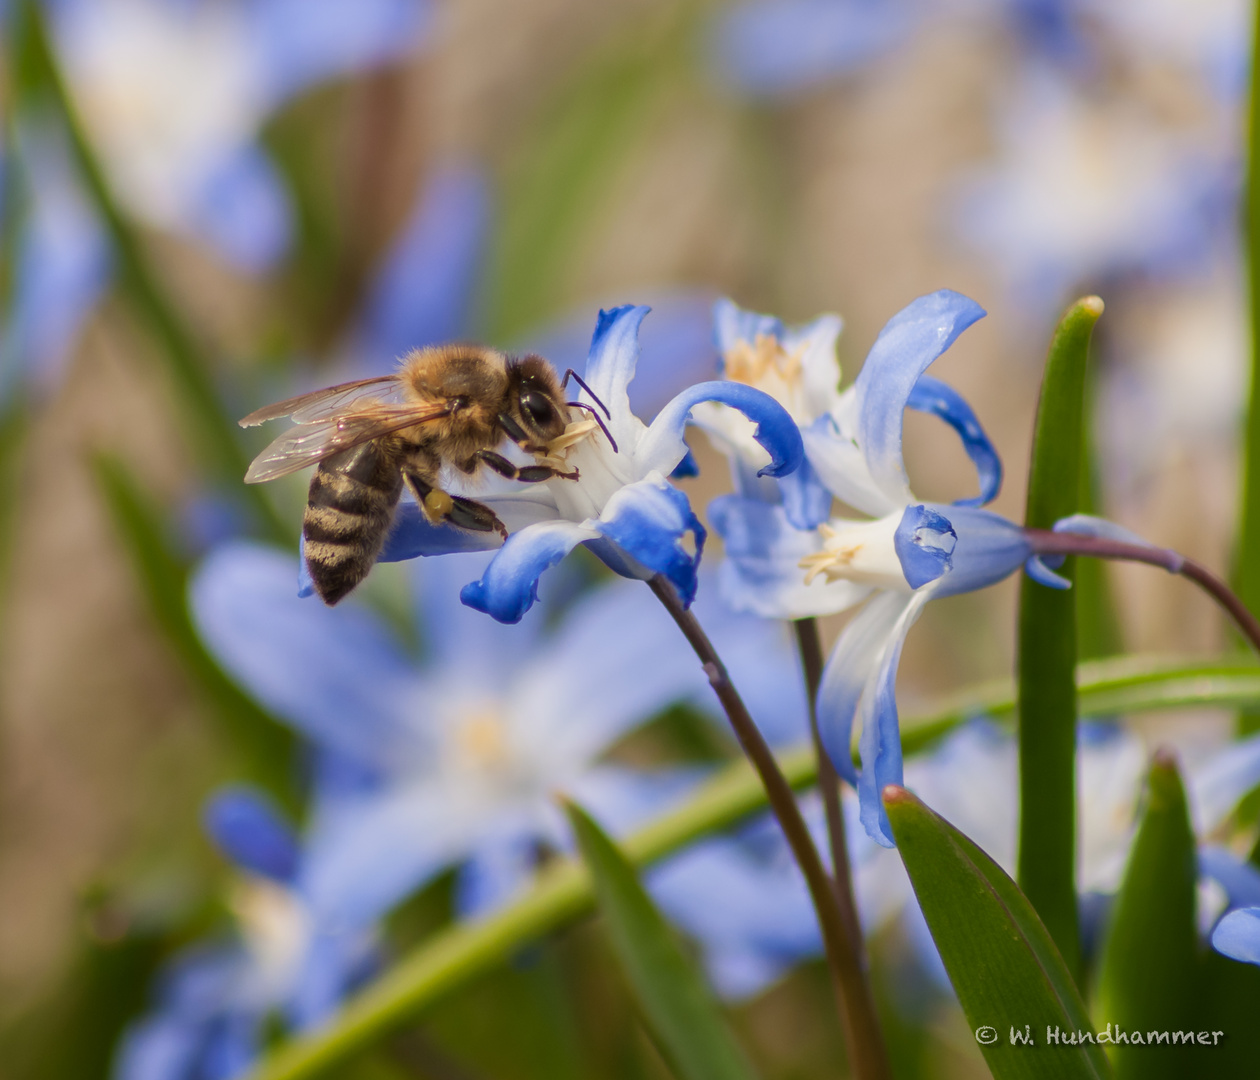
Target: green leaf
[[1148, 973], [1008, 974], [1047, 644], [1247, 571], [262, 744], [677, 1005]]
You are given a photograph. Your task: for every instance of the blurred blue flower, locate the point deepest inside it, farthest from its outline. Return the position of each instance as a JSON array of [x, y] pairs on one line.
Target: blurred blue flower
[[1083, 192], [623, 508], [775, 49], [62, 257], [294, 956], [907, 554], [174, 93], [459, 757], [1237, 935]]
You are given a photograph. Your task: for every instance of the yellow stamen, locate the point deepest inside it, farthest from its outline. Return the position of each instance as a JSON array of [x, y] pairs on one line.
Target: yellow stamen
[[750, 363], [834, 561]]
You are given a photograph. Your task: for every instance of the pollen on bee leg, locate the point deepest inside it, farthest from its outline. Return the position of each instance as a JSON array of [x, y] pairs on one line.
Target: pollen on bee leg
[[438, 506]]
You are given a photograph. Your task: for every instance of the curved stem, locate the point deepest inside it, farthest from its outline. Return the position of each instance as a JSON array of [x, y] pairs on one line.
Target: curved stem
[[857, 1009], [1045, 542], [809, 645]]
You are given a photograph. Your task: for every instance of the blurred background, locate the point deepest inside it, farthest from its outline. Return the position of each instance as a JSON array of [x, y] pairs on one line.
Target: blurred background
[[281, 195]]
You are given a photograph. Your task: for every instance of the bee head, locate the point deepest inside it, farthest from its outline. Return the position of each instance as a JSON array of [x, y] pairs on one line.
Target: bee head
[[538, 399]]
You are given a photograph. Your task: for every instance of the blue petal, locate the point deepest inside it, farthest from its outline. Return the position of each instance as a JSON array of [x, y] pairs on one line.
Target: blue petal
[[942, 400], [612, 358], [495, 872], [509, 586], [761, 572], [854, 658], [989, 548], [1035, 567], [251, 832], [881, 731], [732, 325], [676, 347], [909, 342], [806, 502], [307, 41], [686, 469], [662, 446], [1238, 935], [336, 962], [424, 292], [413, 535], [1240, 879], [242, 209], [1218, 784], [1100, 528], [334, 673], [648, 520], [769, 50], [924, 542]]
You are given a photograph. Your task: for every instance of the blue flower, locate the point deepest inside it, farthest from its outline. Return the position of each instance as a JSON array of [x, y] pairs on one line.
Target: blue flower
[[1083, 191], [460, 756], [907, 553], [293, 957], [62, 256], [623, 508], [173, 95]]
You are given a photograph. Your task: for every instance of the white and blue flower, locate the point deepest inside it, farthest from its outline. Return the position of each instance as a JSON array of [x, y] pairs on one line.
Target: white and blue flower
[[903, 555], [622, 507], [459, 758], [174, 95], [294, 955]]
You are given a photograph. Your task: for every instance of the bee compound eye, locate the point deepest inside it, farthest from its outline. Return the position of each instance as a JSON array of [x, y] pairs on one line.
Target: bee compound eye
[[538, 408]]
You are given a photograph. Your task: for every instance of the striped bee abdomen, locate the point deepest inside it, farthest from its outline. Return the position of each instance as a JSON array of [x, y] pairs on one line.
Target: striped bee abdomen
[[348, 514]]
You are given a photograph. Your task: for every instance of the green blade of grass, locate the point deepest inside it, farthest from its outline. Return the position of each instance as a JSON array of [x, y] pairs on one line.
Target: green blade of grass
[[679, 1008], [1047, 645]]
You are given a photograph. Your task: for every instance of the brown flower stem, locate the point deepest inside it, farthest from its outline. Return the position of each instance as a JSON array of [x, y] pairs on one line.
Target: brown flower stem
[[809, 645], [1045, 542], [858, 1019]]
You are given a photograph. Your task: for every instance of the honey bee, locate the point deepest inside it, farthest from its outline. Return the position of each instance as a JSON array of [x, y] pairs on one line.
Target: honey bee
[[449, 404]]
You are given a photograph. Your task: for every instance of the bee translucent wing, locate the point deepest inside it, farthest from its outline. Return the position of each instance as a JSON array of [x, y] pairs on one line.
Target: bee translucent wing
[[306, 444], [330, 402]]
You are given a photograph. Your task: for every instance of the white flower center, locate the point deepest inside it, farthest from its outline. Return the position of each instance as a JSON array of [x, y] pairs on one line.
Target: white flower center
[[275, 926], [766, 365], [858, 551]]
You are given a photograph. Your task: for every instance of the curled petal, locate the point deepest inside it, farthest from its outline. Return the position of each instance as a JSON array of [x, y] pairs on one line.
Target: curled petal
[[1218, 785], [925, 542], [910, 341], [834, 455], [855, 657], [762, 573], [662, 446], [1037, 568], [509, 586], [942, 400], [1102, 529], [881, 731], [648, 521], [610, 364], [249, 830], [1238, 935]]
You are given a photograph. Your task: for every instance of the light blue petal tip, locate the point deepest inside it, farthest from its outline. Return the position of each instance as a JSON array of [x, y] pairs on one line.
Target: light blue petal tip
[[924, 542], [1237, 935], [1035, 567]]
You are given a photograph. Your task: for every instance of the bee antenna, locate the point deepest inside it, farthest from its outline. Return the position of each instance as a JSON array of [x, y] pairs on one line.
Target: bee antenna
[[598, 419], [571, 374]]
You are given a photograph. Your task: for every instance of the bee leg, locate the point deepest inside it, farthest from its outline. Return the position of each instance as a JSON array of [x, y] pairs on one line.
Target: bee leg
[[438, 507], [469, 514], [518, 435], [527, 474]]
